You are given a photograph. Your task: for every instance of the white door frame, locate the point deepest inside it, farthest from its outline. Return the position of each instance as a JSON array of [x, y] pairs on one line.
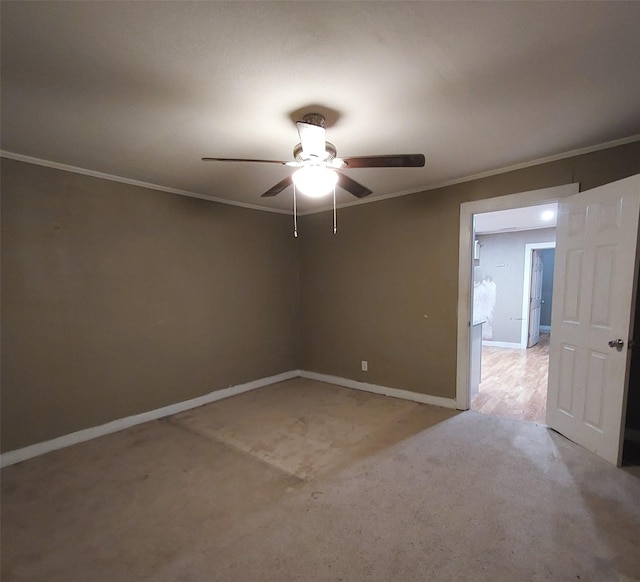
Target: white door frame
[[465, 268], [526, 291]]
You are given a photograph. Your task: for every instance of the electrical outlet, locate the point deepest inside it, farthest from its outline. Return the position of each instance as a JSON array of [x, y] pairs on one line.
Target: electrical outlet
[[365, 365]]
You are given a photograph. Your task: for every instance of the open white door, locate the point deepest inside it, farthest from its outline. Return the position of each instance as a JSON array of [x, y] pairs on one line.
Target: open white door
[[535, 298], [592, 315]]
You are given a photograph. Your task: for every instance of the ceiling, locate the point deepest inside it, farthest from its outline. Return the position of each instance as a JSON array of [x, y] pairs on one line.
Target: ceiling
[[143, 90], [528, 218]]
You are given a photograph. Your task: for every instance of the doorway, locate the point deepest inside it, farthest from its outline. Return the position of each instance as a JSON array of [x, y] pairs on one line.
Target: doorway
[[596, 266], [512, 293], [467, 376], [537, 298]]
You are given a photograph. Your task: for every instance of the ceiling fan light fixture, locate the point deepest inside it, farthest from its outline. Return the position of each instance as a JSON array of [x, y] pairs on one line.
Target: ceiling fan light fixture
[[315, 181], [320, 167]]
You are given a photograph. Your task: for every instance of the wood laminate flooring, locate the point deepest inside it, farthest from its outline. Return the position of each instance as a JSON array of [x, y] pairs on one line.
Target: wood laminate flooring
[[514, 382]]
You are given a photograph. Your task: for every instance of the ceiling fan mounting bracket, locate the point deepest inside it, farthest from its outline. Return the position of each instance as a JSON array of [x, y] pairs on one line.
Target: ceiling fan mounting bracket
[[314, 119]]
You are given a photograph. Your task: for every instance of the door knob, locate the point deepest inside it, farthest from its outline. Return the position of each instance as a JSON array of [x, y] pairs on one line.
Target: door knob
[[616, 343]]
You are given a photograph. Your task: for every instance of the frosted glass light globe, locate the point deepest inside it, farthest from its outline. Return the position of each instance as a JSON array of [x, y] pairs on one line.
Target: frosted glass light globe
[[315, 181]]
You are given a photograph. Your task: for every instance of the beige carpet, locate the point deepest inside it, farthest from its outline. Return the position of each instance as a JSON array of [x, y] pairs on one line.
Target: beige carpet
[[312, 482]]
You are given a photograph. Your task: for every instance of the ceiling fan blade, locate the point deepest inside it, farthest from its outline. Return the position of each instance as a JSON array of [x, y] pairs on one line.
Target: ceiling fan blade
[[279, 187], [351, 186], [243, 160], [312, 139], [394, 161]]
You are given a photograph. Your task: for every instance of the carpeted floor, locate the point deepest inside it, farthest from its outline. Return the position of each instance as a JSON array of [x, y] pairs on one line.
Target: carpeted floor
[[312, 482]]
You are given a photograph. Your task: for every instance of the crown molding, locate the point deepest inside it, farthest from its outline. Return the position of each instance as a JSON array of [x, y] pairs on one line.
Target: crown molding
[[487, 174], [469, 178], [131, 182]]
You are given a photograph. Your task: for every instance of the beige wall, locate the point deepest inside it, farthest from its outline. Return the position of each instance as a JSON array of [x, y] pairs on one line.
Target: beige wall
[[384, 289], [117, 300]]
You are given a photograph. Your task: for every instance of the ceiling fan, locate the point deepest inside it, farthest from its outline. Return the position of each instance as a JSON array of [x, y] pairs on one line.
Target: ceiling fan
[[319, 168]]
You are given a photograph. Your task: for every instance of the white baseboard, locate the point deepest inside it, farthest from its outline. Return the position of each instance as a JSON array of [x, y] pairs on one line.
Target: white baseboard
[[493, 344], [545, 328], [18, 455], [393, 392]]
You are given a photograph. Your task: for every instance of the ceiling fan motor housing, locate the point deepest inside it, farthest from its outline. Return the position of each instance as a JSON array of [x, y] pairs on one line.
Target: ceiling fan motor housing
[[330, 150]]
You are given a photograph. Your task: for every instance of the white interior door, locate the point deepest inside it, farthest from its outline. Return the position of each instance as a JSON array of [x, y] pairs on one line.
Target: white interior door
[[535, 298], [592, 309]]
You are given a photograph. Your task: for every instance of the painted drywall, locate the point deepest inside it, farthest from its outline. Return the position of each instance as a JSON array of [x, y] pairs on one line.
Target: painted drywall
[[384, 288], [501, 268], [117, 300], [548, 264]]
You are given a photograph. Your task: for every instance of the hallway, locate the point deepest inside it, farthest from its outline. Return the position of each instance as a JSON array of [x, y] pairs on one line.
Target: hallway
[[514, 382]]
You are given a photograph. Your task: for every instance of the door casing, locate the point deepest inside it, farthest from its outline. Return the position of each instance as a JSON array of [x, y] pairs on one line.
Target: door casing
[[526, 291], [465, 275]]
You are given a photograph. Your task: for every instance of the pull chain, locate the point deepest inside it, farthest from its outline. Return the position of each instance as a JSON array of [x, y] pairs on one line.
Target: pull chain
[[295, 213], [335, 224]]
